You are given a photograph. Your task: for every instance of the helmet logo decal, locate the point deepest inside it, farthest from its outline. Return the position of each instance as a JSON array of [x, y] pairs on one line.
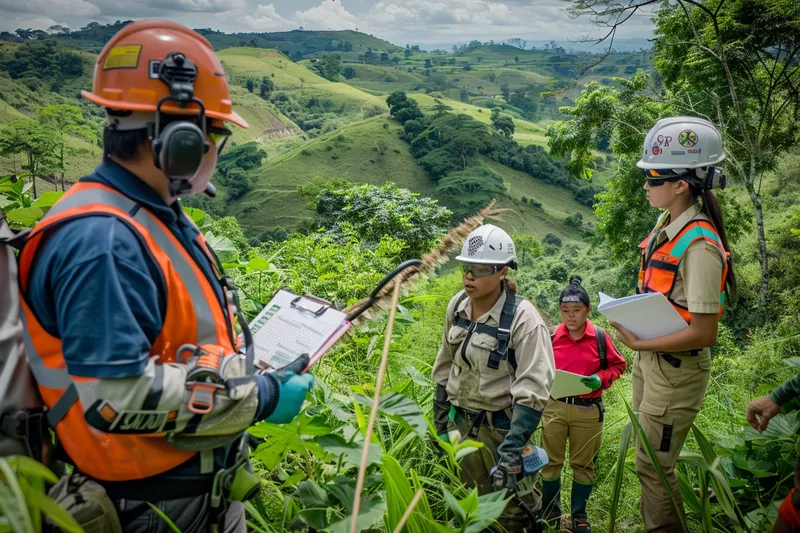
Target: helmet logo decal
[[663, 140], [656, 150], [123, 57], [688, 138], [475, 244]]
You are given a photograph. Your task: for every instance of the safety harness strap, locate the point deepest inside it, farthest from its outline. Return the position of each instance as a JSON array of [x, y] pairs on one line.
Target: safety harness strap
[[62, 405], [501, 332]]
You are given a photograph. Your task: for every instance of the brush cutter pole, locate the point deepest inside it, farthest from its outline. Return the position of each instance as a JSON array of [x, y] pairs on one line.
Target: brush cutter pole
[[386, 279]]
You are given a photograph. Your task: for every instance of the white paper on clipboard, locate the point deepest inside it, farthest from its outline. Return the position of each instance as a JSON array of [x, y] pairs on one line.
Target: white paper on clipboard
[[290, 326], [568, 384]]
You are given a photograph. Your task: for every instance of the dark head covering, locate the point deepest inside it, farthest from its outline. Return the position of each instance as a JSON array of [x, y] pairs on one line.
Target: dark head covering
[[574, 292]]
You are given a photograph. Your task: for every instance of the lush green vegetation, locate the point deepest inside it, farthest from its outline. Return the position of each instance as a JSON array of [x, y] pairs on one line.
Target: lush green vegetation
[[361, 155]]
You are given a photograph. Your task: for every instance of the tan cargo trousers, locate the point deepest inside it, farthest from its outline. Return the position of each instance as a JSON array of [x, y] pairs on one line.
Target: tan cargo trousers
[[582, 427], [668, 392], [476, 466]]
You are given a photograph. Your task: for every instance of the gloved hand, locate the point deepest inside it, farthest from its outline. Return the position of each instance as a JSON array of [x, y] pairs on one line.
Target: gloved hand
[[292, 389], [285, 389], [502, 479], [593, 382], [523, 424], [441, 411]]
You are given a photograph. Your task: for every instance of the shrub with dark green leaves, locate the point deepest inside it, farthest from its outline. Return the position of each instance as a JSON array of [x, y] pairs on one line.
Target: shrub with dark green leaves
[[370, 212]]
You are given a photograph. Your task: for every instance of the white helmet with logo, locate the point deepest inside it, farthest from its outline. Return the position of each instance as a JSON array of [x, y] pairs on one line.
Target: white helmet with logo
[[681, 143], [488, 245]]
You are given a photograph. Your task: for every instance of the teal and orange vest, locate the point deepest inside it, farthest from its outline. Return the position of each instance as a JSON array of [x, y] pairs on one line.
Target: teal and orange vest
[[659, 271]]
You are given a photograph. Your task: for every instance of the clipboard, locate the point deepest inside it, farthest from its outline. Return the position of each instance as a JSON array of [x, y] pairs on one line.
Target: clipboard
[[292, 325]]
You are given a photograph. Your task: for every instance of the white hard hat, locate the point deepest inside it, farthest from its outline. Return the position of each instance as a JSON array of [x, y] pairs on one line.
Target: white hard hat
[[681, 143], [488, 245]]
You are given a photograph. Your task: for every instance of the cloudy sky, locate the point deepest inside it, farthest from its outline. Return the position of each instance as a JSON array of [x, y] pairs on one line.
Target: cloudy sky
[[424, 22]]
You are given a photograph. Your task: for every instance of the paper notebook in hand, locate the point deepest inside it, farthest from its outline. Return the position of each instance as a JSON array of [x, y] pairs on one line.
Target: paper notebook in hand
[[291, 325], [648, 315]]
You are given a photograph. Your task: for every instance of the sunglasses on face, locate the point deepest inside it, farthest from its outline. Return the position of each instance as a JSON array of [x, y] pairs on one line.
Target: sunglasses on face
[[656, 178], [479, 271]]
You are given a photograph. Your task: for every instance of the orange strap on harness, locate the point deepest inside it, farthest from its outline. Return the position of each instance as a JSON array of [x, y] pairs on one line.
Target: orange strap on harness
[[204, 379]]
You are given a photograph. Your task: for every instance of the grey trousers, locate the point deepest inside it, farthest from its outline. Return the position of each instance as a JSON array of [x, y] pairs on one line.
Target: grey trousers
[[190, 515]]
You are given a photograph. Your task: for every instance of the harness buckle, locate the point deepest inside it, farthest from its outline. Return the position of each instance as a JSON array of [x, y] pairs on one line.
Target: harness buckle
[[494, 359], [503, 335], [202, 400]]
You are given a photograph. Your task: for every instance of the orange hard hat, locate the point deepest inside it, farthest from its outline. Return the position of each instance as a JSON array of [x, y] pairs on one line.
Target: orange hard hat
[[126, 75]]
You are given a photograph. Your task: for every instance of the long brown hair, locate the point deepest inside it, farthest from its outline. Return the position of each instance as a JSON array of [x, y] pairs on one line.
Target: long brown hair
[[711, 209]]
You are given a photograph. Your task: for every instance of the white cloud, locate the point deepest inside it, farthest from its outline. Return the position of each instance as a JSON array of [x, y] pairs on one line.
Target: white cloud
[[266, 18], [330, 14], [425, 22], [34, 23], [49, 7], [200, 6]]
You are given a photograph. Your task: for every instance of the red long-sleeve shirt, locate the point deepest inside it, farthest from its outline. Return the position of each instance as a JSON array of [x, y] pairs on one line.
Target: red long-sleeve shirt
[[580, 356]]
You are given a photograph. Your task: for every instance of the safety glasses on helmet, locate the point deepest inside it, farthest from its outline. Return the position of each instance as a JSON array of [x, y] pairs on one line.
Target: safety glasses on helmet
[[479, 271]]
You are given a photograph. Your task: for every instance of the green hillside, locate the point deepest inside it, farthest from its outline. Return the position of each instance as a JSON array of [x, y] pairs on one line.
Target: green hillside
[[255, 62], [525, 132], [372, 152], [242, 63], [302, 43], [369, 151], [310, 126]]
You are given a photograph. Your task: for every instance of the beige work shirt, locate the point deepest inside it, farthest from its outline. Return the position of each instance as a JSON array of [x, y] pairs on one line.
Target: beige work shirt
[[698, 281], [462, 363]]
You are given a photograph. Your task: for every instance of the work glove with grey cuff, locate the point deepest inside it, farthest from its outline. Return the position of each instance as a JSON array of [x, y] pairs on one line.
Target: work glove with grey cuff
[[523, 423]]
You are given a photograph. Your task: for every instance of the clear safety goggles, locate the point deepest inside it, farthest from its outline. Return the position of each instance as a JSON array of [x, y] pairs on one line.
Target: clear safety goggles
[[479, 271]]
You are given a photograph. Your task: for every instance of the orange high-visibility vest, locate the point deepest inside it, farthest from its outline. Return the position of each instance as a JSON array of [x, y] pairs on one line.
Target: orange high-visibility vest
[[193, 316], [659, 271]]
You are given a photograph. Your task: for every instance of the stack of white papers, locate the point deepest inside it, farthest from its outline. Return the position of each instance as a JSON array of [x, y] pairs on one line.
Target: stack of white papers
[[648, 315], [290, 326]]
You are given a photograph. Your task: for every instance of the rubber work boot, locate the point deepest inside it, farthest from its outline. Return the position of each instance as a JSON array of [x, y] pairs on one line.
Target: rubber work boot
[[580, 495], [551, 500]]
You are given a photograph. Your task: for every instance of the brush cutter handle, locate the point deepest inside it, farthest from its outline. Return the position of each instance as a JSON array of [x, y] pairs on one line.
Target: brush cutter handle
[[386, 279]]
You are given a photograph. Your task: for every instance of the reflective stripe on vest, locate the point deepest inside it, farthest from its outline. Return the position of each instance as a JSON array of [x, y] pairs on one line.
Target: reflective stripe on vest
[[659, 271], [193, 316]]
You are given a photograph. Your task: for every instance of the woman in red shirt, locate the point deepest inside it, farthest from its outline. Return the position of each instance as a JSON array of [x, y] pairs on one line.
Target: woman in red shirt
[[578, 347]]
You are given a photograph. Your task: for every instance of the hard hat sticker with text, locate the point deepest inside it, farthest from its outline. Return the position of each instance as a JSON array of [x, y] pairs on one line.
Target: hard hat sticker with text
[[123, 57]]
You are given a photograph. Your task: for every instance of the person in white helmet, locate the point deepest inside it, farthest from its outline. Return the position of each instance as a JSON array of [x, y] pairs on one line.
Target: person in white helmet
[[686, 257], [495, 368]]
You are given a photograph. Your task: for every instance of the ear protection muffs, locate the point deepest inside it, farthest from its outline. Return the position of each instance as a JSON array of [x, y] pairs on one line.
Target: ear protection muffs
[[714, 179], [710, 178], [179, 147], [178, 151]]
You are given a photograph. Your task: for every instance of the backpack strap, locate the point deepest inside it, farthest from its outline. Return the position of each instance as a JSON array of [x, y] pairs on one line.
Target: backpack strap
[[601, 346], [15, 239]]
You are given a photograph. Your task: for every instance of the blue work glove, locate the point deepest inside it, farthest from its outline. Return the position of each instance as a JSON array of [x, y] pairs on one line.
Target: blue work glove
[[281, 393], [593, 382], [292, 389]]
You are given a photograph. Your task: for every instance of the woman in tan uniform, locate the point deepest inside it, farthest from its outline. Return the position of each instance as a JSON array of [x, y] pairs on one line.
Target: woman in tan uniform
[[685, 258], [495, 369]]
